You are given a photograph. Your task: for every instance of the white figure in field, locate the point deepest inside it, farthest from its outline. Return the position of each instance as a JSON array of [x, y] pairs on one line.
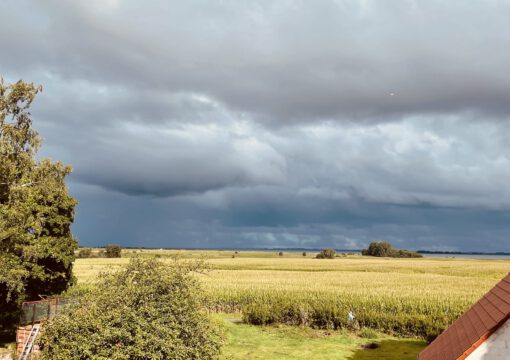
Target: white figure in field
[[350, 316]]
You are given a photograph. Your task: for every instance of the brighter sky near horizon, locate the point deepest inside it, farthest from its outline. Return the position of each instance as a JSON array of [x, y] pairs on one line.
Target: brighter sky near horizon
[[274, 124]]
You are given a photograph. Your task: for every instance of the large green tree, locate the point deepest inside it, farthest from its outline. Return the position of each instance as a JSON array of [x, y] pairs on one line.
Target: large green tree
[[36, 211]]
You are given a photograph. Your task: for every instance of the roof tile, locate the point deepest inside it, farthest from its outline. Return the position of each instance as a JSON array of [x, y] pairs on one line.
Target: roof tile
[[483, 318]]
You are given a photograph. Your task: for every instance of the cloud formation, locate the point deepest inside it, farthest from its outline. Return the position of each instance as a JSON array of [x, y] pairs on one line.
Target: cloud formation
[[215, 124]]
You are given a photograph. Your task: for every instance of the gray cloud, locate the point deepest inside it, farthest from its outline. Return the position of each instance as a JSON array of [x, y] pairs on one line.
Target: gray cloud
[[273, 124], [276, 59]]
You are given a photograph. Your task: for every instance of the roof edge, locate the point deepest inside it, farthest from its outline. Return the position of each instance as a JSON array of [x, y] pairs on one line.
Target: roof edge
[[483, 339]]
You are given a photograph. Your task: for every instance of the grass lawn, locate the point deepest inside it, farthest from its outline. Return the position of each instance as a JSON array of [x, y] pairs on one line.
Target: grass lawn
[[288, 342]]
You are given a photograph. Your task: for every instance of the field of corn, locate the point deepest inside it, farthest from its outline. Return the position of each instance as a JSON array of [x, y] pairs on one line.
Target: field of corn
[[407, 297]]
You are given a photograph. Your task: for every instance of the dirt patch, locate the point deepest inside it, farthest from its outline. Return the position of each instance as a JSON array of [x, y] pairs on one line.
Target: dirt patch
[[370, 346]]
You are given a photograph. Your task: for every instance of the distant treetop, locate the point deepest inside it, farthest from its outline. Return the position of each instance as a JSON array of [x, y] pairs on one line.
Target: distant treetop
[[385, 249]]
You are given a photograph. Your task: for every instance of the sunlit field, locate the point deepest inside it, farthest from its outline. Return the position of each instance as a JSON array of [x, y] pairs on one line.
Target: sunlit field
[[412, 297]]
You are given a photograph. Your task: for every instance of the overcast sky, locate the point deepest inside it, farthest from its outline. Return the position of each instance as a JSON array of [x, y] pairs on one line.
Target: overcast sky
[[274, 123]]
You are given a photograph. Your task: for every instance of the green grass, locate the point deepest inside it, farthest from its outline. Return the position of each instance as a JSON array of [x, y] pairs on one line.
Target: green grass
[[287, 342]]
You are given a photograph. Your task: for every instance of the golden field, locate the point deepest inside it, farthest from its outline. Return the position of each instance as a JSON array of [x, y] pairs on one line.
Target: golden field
[[405, 296]]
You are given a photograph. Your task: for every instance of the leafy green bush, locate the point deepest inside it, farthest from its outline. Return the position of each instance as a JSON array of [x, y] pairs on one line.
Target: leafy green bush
[[326, 254], [149, 310], [113, 251]]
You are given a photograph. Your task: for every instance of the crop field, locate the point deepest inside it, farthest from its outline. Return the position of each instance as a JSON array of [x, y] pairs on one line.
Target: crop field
[[403, 297]]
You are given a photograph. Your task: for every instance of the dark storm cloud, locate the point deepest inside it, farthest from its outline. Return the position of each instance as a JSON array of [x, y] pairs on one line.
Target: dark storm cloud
[[282, 221], [291, 123], [289, 61]]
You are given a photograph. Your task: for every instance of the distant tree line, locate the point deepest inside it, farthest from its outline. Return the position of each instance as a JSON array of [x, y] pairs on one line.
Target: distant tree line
[[109, 251], [385, 249]]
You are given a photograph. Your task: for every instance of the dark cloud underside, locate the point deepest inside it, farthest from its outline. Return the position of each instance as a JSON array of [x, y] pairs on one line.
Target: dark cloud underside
[[295, 123]]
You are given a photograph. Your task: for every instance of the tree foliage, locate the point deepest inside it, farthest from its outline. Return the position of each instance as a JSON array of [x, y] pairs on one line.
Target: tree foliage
[[36, 211], [385, 249], [149, 310], [326, 254], [113, 251], [378, 248]]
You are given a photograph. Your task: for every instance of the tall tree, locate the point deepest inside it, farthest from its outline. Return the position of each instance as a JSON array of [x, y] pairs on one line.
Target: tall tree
[[36, 211]]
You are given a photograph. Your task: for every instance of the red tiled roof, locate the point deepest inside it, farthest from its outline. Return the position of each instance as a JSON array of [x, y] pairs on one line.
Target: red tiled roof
[[473, 327]]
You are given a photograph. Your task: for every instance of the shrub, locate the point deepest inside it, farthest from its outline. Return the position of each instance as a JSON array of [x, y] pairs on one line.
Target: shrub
[[148, 310], [113, 251], [84, 253], [326, 254], [405, 254], [304, 253], [280, 253]]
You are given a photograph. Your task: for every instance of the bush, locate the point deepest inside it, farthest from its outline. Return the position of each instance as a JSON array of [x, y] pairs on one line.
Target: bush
[[304, 253], [84, 253], [405, 254], [148, 310], [113, 251], [326, 254], [280, 253]]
